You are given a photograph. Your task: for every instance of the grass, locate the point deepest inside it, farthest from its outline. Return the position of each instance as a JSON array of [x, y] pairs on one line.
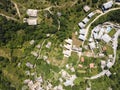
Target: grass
[[112, 32]]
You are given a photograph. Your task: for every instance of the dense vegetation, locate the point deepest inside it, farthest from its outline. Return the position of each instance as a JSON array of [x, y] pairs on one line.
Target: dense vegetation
[[111, 16], [8, 6]]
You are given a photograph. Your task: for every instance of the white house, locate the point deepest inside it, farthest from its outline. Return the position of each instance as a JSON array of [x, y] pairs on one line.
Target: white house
[[91, 14], [67, 53], [69, 41], [86, 8], [69, 47], [101, 33], [106, 38], [32, 21], [86, 20], [32, 12], [109, 64], [82, 37], [108, 73], [92, 45], [81, 25], [108, 5], [82, 31]]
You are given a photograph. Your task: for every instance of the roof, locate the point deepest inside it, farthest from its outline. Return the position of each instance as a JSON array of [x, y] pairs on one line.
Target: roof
[[108, 4], [95, 35], [91, 65], [109, 64], [91, 14], [82, 31], [106, 38], [82, 37], [67, 53], [82, 59], [32, 21], [108, 73], [86, 8], [85, 20], [81, 24], [32, 12], [68, 46], [101, 33], [92, 45], [69, 41], [97, 29]]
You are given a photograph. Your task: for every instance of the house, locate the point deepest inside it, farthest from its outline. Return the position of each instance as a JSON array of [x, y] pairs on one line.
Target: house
[[32, 42], [91, 14], [69, 47], [32, 12], [82, 59], [86, 20], [32, 21], [82, 31], [80, 65], [101, 55], [69, 82], [59, 87], [91, 40], [100, 33], [95, 35], [29, 65], [34, 53], [69, 41], [86, 8], [82, 37], [103, 64], [97, 29], [67, 53], [91, 65], [109, 64], [92, 45], [108, 73], [107, 5], [81, 25], [106, 38], [48, 45]]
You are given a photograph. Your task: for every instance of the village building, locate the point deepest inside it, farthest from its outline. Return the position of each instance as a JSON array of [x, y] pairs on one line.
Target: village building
[[82, 31], [86, 20], [103, 64], [91, 65], [32, 21], [68, 41], [28, 64], [108, 73], [32, 42], [106, 38], [82, 59], [107, 5], [82, 37], [80, 66], [69, 47], [48, 45], [86, 8], [32, 12], [90, 15], [92, 45], [101, 33], [67, 53], [81, 25], [109, 64]]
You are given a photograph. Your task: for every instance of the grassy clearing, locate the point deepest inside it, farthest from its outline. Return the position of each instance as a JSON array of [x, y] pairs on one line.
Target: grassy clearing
[[112, 32]]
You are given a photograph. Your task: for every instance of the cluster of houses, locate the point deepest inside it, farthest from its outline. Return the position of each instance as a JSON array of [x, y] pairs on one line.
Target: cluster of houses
[[69, 47], [69, 79], [84, 22], [99, 33], [107, 5], [32, 20]]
